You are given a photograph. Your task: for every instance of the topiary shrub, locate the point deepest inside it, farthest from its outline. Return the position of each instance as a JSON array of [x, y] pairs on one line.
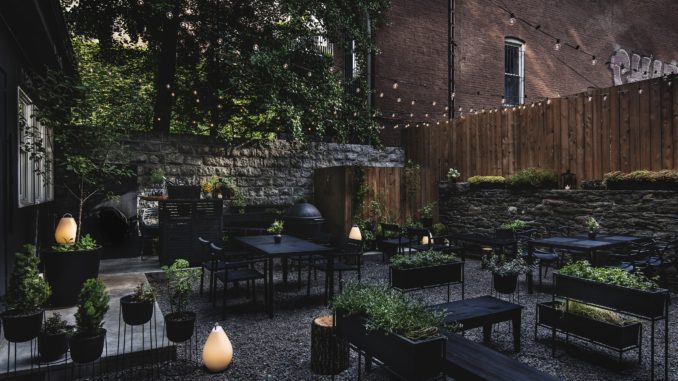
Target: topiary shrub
[[92, 307], [27, 291], [643, 179], [487, 182], [533, 178]]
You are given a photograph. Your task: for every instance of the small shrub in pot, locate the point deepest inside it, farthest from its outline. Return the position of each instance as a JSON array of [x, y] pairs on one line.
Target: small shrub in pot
[[26, 294], [505, 272], [276, 228], [137, 308], [180, 280], [88, 342], [53, 338]]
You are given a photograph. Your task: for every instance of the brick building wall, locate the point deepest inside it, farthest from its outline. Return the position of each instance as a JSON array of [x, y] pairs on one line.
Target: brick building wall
[[414, 50]]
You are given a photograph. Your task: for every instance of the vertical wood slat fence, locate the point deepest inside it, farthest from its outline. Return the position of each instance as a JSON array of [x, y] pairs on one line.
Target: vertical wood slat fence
[[623, 128]]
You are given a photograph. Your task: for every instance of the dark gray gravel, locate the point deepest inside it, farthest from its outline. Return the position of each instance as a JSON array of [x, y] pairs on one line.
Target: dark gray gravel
[[278, 348]]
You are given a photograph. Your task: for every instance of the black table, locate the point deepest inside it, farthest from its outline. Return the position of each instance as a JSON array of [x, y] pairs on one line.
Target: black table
[[580, 243], [493, 242], [483, 311], [289, 247]]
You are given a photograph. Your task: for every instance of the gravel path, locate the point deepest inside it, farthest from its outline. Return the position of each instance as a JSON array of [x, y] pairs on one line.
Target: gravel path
[[278, 348]]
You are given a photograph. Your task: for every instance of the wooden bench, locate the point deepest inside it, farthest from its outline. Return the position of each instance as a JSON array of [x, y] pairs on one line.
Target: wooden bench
[[470, 361]]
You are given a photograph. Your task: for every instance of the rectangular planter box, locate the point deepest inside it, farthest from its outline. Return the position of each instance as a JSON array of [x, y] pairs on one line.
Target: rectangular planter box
[[648, 304], [611, 335], [411, 360], [427, 276]]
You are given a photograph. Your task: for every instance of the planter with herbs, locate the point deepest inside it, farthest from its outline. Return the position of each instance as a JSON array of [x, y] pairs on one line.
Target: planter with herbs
[[87, 344], [53, 338], [425, 269], [137, 308], [505, 272], [26, 294], [487, 182], [398, 331], [426, 214], [612, 288], [651, 180], [276, 229], [180, 322], [67, 267], [591, 323]]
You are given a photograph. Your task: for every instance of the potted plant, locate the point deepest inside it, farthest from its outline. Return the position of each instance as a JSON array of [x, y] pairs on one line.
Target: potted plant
[[53, 338], [505, 272], [137, 308], [453, 175], [487, 182], [27, 292], [180, 280], [508, 230], [276, 228], [399, 331], [425, 268], [426, 214], [592, 226], [87, 343]]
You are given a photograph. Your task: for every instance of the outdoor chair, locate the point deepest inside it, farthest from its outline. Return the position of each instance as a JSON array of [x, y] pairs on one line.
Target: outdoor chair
[[348, 258], [237, 268], [391, 240], [544, 258]]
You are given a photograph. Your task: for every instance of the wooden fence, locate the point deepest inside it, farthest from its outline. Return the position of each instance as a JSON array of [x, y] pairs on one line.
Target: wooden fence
[[625, 128]]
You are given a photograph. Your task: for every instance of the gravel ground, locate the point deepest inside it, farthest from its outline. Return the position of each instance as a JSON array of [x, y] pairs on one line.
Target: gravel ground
[[279, 348]]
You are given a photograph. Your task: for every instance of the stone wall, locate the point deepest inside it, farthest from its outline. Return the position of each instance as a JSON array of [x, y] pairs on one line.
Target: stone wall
[[268, 173], [639, 212]]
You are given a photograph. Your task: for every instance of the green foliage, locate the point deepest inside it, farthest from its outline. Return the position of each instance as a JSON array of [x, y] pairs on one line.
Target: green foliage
[[238, 201], [365, 227], [412, 178], [592, 185], [86, 243], [389, 311], [614, 276], [533, 178], [360, 189], [143, 293], [426, 258], [593, 312], [514, 225], [157, 176], [413, 224], [375, 212], [92, 307], [426, 211], [501, 265], [489, 181], [591, 224], [453, 175], [180, 281], [276, 227], [27, 290], [640, 178], [438, 229], [55, 325]]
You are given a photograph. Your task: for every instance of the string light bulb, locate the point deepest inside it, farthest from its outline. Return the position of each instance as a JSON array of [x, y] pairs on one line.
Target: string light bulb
[[309, 74], [399, 100], [395, 85], [434, 103], [413, 102], [286, 66], [512, 19], [357, 90], [556, 47], [381, 95], [593, 60], [503, 100]]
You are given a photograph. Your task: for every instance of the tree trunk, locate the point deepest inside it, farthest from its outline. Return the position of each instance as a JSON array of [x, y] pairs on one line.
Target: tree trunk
[[167, 62], [329, 355]]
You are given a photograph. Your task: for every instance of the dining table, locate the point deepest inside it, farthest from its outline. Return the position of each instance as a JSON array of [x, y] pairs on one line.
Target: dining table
[[288, 247]]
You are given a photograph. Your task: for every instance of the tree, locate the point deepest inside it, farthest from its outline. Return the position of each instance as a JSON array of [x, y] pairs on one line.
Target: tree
[[240, 68]]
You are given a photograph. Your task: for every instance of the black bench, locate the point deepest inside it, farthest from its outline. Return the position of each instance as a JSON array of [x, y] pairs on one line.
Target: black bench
[[470, 361], [483, 311]]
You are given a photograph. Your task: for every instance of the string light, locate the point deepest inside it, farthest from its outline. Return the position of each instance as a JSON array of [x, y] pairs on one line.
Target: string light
[[286, 66], [590, 98], [357, 90], [309, 74], [593, 60], [395, 85], [434, 103], [168, 85], [195, 92], [640, 91], [413, 102], [411, 115], [512, 19], [503, 100], [556, 47], [381, 95], [399, 100]]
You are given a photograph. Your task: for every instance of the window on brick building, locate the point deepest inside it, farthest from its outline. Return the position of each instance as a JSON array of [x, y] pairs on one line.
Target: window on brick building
[[514, 71]]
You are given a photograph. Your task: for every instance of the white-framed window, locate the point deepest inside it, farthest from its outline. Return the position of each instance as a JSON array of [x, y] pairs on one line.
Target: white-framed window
[[514, 71], [36, 154]]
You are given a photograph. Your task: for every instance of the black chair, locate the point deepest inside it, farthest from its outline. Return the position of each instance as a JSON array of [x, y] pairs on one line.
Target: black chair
[[348, 258], [391, 240], [238, 268], [208, 264], [544, 258]]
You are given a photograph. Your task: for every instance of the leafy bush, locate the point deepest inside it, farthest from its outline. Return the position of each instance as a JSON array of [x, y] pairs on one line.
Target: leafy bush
[[55, 325], [515, 224], [86, 243], [365, 227], [642, 178], [426, 211], [500, 265], [614, 276], [593, 185], [438, 229], [591, 224], [593, 312], [426, 258], [143, 293], [453, 174], [389, 311], [92, 307], [27, 290], [487, 181], [533, 178], [180, 280], [276, 227]]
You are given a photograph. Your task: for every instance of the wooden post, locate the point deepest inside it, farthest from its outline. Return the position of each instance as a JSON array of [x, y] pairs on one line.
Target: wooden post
[[329, 355]]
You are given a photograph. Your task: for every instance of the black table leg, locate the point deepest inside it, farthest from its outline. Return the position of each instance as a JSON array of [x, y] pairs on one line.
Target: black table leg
[[284, 264], [487, 332], [270, 288], [530, 261], [516, 332], [330, 275]]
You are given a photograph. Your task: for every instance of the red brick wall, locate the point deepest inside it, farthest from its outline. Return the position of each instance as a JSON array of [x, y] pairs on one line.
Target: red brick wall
[[414, 48]]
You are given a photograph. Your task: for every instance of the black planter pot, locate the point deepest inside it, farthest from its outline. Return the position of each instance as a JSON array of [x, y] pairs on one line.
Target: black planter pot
[[505, 284], [66, 272], [21, 327], [277, 238], [183, 191], [52, 347], [179, 327], [411, 360], [427, 276], [87, 348], [649, 304], [592, 235], [615, 336], [135, 312], [427, 222], [507, 234]]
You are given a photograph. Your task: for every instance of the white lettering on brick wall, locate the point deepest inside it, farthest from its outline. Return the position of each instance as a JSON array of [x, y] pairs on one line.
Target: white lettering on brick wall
[[634, 68]]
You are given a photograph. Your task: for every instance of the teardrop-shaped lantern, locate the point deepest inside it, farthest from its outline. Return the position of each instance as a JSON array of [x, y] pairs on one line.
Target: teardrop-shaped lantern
[[218, 351], [66, 230]]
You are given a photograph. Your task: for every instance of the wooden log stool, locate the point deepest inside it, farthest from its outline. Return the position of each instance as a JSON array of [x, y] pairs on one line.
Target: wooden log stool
[[329, 354]]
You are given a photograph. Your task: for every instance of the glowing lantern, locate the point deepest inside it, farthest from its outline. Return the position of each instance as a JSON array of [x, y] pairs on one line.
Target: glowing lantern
[[355, 234], [427, 239], [218, 351], [66, 230]]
